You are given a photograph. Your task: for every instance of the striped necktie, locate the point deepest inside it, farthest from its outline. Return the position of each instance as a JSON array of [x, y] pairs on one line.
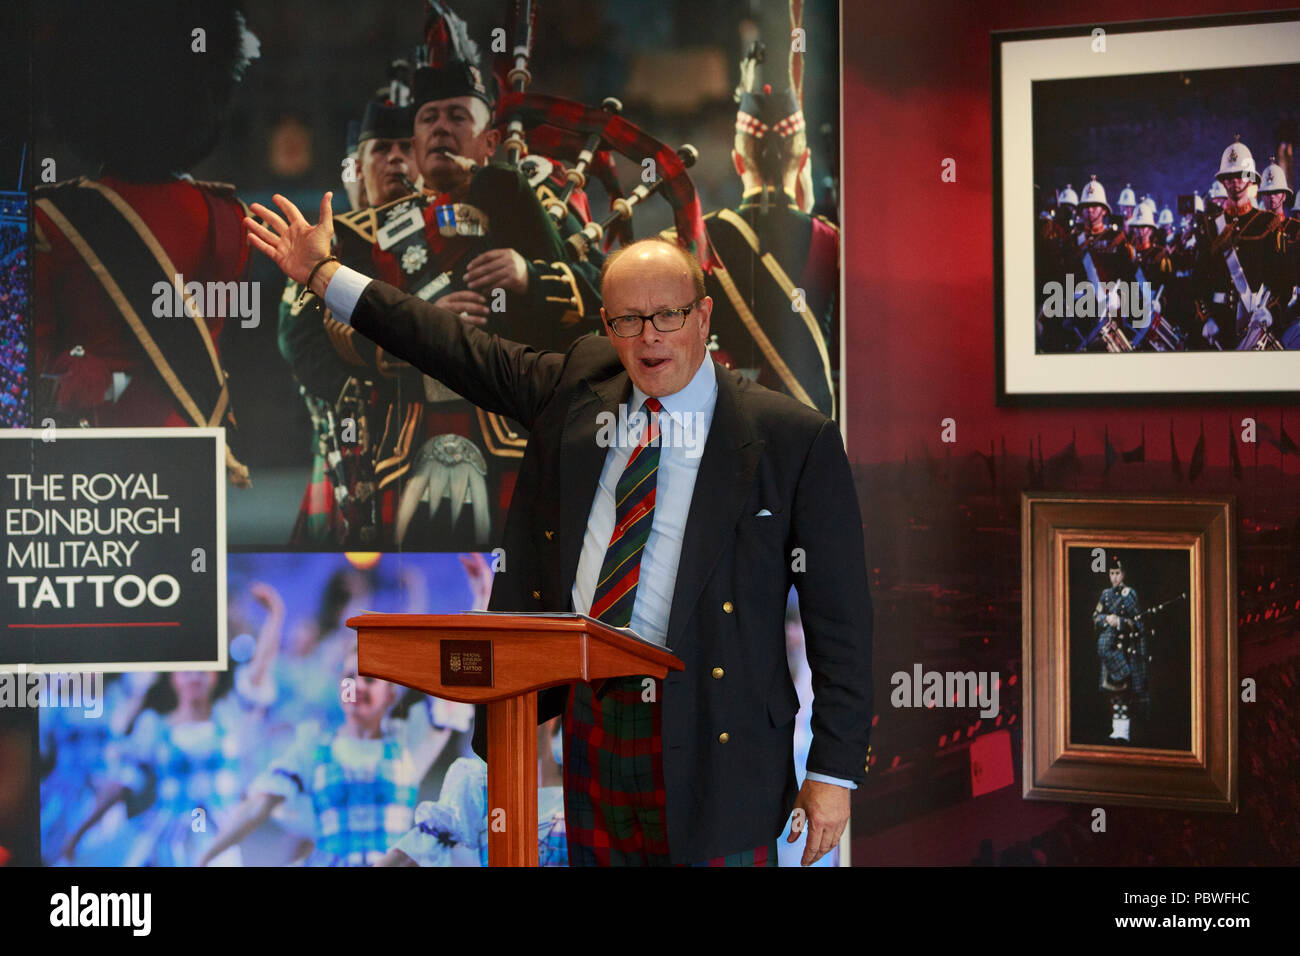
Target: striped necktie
[[634, 512]]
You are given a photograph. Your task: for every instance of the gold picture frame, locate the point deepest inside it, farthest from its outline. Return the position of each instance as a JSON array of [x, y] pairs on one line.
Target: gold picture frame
[[1193, 533]]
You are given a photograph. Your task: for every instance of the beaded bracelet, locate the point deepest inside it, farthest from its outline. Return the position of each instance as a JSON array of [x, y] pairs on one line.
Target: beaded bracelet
[[315, 269]]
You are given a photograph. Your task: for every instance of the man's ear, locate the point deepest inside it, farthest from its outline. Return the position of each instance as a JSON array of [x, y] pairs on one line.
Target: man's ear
[[492, 140], [738, 162], [706, 314]]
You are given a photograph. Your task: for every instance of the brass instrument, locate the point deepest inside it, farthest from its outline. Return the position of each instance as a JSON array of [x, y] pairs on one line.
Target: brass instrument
[[1112, 334], [1162, 337], [1259, 335], [1259, 338]]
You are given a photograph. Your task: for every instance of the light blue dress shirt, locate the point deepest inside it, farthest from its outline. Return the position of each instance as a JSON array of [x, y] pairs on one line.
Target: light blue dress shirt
[[684, 428]]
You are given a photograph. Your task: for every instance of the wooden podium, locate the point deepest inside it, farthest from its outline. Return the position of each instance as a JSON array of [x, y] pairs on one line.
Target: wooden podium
[[503, 660]]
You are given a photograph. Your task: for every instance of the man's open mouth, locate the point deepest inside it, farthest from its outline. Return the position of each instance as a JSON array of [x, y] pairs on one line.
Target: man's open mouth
[[653, 362]]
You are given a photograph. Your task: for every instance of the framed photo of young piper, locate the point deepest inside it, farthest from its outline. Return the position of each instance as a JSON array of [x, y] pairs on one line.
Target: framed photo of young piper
[[1144, 203], [1130, 650]]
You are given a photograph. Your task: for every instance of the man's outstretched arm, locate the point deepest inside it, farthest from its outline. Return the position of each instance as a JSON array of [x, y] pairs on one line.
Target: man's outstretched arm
[[496, 374]]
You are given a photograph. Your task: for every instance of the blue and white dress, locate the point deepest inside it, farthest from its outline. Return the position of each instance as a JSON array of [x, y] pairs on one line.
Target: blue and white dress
[[460, 818], [196, 772], [74, 745], [362, 792]]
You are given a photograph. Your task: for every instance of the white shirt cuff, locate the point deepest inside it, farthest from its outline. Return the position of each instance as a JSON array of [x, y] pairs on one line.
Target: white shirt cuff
[[344, 291], [822, 778]]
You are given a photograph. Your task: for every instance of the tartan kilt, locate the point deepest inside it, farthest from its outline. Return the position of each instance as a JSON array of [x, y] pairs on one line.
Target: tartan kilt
[[1115, 663], [1128, 664], [614, 794], [319, 520]]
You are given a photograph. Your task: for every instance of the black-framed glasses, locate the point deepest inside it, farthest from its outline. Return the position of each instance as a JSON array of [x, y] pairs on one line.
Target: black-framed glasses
[[665, 320]]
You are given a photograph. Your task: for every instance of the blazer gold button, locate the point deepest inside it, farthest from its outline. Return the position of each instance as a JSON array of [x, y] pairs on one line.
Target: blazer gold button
[[723, 737], [537, 595], [717, 673], [550, 535], [728, 606]]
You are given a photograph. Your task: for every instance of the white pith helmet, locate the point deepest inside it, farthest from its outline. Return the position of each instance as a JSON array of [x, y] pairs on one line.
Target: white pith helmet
[[1237, 160], [1094, 194]]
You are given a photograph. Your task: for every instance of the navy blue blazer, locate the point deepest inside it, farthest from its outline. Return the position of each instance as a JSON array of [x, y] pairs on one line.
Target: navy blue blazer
[[765, 451]]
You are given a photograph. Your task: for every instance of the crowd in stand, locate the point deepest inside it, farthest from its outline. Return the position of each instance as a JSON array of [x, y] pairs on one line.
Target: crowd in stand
[[1262, 833], [13, 330]]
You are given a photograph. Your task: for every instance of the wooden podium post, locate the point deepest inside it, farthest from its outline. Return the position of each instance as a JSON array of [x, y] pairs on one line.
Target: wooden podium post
[[503, 660]]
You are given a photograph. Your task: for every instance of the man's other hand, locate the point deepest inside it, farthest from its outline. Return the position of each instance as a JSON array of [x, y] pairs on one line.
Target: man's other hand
[[292, 243], [498, 269], [470, 306], [825, 814]]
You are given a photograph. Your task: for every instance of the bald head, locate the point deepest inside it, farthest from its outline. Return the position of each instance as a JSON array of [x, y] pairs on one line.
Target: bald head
[[653, 251]]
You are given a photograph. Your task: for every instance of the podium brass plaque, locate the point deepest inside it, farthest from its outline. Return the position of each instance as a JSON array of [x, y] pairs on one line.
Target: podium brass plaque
[[466, 663]]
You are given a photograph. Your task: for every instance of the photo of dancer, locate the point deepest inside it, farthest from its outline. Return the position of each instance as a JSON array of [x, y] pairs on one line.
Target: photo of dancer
[[290, 757]]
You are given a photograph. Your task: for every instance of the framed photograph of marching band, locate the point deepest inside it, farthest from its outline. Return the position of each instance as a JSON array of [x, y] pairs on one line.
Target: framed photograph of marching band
[[1130, 660], [1144, 203]]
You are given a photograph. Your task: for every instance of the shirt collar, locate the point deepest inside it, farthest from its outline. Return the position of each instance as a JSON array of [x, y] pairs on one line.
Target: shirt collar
[[699, 395]]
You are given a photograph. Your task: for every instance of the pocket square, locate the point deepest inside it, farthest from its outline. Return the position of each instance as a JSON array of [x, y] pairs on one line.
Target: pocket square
[[763, 514]]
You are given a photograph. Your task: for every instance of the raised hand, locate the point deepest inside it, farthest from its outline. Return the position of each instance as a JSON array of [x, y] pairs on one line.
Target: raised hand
[[291, 242]]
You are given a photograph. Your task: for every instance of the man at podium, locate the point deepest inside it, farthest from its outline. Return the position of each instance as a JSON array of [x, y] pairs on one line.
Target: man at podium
[[662, 492]]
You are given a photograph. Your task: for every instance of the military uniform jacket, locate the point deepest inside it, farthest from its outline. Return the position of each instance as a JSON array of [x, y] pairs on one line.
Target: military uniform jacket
[[1111, 253], [761, 321], [562, 300], [1259, 240], [1123, 603], [764, 451], [1111, 641], [402, 243], [100, 247], [1155, 263]]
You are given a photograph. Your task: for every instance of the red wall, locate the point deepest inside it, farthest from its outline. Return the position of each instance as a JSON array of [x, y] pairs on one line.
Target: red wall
[[919, 252], [919, 319]]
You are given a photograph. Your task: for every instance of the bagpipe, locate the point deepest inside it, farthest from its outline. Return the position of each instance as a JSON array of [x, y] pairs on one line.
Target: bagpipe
[[1149, 613], [586, 139]]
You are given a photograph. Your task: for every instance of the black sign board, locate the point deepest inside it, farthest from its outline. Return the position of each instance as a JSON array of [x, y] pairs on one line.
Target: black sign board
[[113, 549]]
